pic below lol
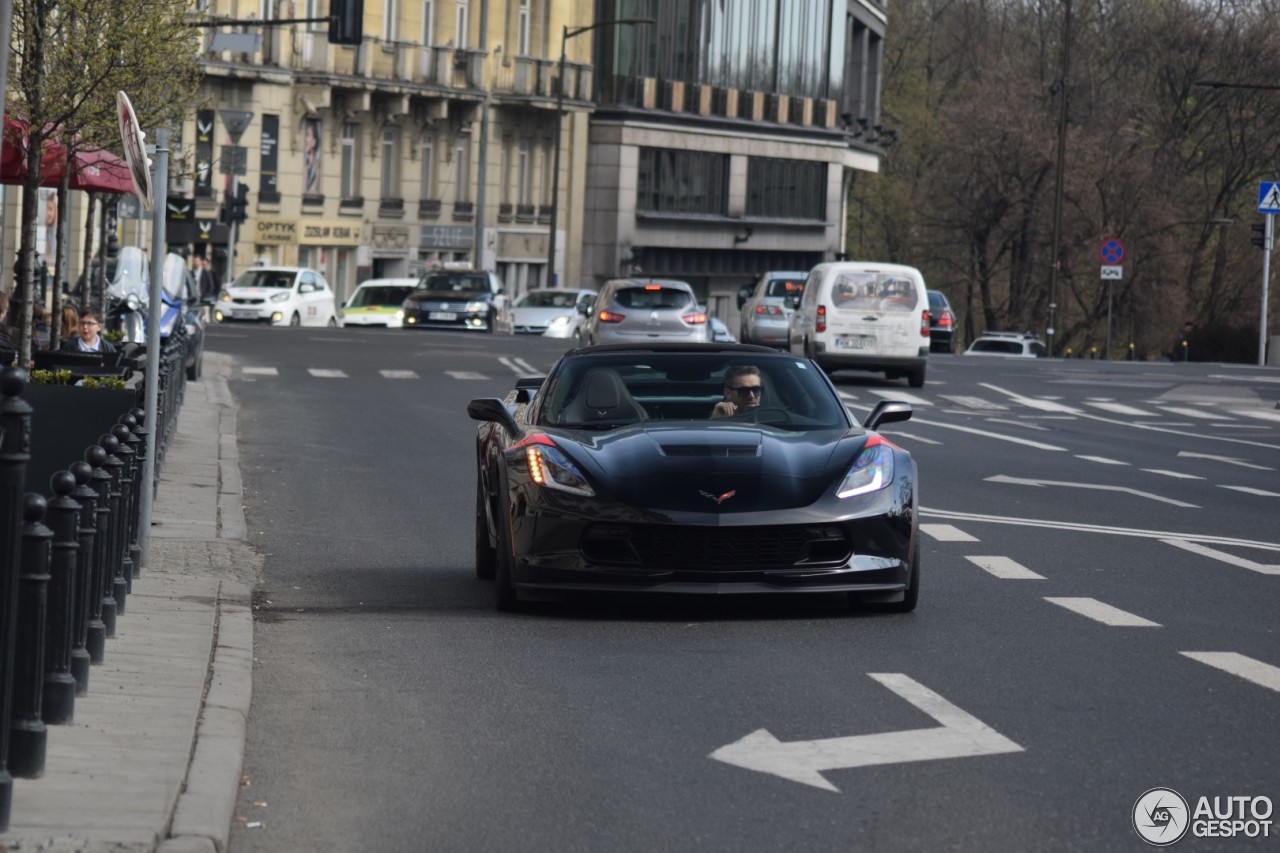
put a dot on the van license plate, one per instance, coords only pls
(442, 315)
(855, 343)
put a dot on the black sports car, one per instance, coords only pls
(692, 468)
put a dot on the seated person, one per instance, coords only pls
(742, 391)
(88, 339)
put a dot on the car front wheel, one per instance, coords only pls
(486, 554)
(295, 320)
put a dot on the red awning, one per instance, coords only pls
(92, 170)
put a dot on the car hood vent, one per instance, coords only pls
(709, 450)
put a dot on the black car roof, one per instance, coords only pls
(601, 349)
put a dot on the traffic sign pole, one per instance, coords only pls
(1111, 252)
(1268, 240)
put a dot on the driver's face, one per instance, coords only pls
(744, 392)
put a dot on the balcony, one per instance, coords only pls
(524, 213)
(464, 211)
(429, 208)
(504, 212)
(391, 207)
(351, 204)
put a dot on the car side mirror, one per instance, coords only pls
(887, 412)
(493, 410)
(585, 309)
(793, 302)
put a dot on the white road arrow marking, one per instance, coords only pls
(1022, 481)
(1231, 559)
(1230, 460)
(519, 366)
(960, 736)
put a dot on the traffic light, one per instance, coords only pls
(239, 204)
(346, 22)
(1261, 240)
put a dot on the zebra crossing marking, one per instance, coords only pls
(1102, 460)
(947, 533)
(1120, 408)
(466, 375)
(1262, 674)
(398, 374)
(259, 371)
(1005, 568)
(1091, 608)
(326, 373)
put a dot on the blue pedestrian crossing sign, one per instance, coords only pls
(1269, 197)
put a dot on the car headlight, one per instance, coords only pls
(871, 471)
(477, 307)
(400, 314)
(549, 466)
(224, 297)
(560, 322)
(281, 297)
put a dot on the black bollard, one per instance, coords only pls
(113, 586)
(100, 481)
(135, 509)
(62, 517)
(87, 499)
(15, 451)
(27, 733)
(128, 485)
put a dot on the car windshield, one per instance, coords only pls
(873, 291)
(454, 282)
(653, 296)
(618, 390)
(782, 287)
(274, 279)
(548, 299)
(387, 296)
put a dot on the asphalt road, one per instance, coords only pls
(1097, 618)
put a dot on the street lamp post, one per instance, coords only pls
(555, 167)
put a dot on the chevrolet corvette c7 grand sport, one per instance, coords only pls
(691, 468)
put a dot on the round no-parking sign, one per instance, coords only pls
(1111, 251)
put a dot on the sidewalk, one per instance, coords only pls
(152, 759)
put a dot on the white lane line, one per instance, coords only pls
(947, 533)
(398, 374)
(1093, 609)
(1024, 481)
(1121, 409)
(1232, 378)
(1262, 674)
(1260, 414)
(1031, 402)
(1230, 559)
(1026, 442)
(1178, 474)
(908, 435)
(1101, 460)
(1230, 460)
(1249, 490)
(1194, 413)
(894, 394)
(326, 373)
(1022, 424)
(847, 395)
(974, 403)
(1003, 567)
(259, 371)
(518, 366)
(465, 374)
(532, 371)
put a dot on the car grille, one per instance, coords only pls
(717, 548)
(248, 301)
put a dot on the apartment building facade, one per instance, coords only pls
(434, 140)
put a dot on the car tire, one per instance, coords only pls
(910, 596)
(504, 588)
(486, 554)
(295, 320)
(915, 378)
(333, 323)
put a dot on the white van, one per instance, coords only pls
(860, 315)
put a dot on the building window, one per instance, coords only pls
(524, 175)
(350, 161)
(428, 23)
(522, 44)
(314, 13)
(391, 162)
(462, 168)
(460, 25)
(390, 20)
(548, 165)
(678, 181)
(786, 189)
(504, 172)
(428, 188)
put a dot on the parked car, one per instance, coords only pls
(567, 325)
(532, 313)
(611, 475)
(378, 302)
(1008, 344)
(720, 332)
(455, 299)
(635, 310)
(862, 315)
(281, 296)
(766, 312)
(942, 323)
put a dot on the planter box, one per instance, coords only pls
(65, 420)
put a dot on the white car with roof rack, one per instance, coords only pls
(1008, 345)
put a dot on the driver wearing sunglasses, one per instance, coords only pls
(742, 391)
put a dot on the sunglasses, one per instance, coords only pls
(753, 390)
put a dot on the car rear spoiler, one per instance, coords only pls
(525, 385)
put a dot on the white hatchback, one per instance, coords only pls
(281, 296)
